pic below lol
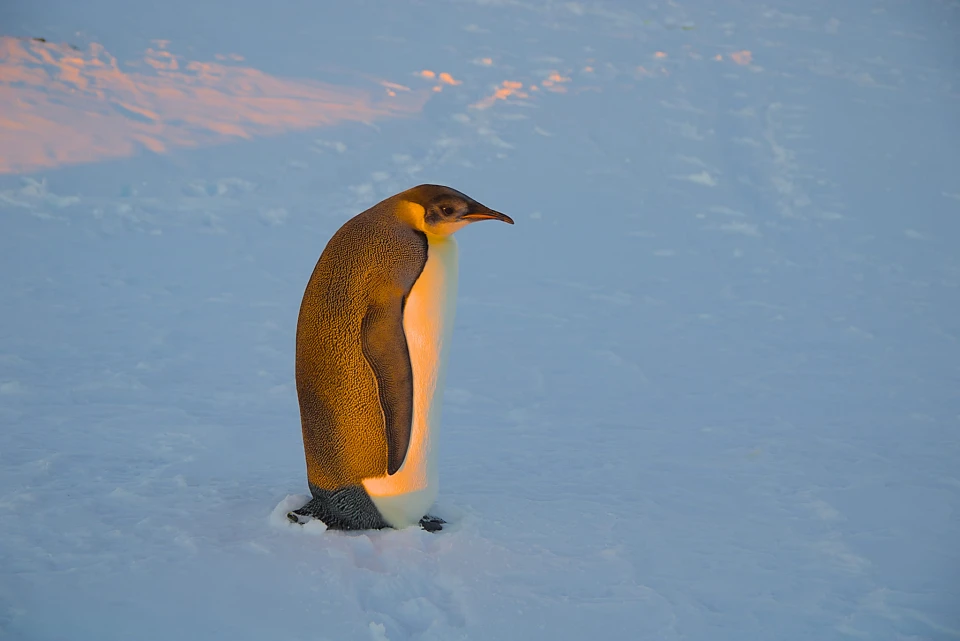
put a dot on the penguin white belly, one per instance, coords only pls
(403, 498)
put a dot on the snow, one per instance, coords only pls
(705, 388)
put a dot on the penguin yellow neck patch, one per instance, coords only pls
(415, 216)
(412, 214)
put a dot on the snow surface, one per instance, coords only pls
(706, 388)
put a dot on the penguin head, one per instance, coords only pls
(445, 210)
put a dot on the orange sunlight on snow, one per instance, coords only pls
(742, 57)
(63, 105)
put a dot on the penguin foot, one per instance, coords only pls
(428, 523)
(297, 518)
(347, 508)
(432, 523)
(307, 513)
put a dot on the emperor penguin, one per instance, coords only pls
(372, 340)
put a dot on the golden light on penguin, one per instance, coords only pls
(373, 335)
(427, 325)
(63, 105)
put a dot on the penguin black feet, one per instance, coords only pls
(432, 523)
(348, 508)
(296, 517)
(312, 510)
(306, 514)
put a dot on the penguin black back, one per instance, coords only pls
(355, 298)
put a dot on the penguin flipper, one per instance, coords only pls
(385, 349)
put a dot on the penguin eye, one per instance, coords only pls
(447, 210)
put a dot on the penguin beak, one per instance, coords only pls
(486, 214)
